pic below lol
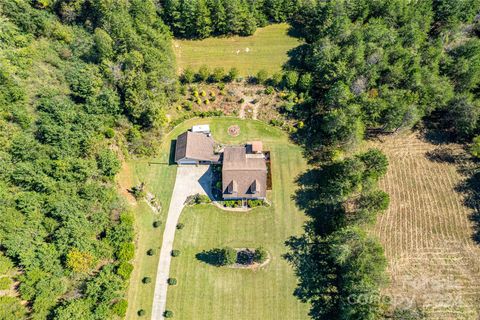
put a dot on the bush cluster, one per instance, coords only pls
(256, 203)
(198, 199)
(232, 203)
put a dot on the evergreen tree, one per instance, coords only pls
(188, 18)
(203, 23)
(218, 17)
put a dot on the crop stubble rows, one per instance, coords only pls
(427, 233)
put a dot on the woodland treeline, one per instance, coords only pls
(198, 19)
(377, 67)
(81, 82)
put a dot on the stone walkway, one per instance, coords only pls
(190, 180)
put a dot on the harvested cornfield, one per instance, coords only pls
(427, 232)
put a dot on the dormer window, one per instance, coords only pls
(255, 187)
(232, 187)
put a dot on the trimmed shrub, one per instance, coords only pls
(180, 226)
(229, 255)
(255, 203)
(157, 223)
(232, 75)
(217, 75)
(262, 76)
(175, 253)
(168, 314)
(245, 257)
(276, 79)
(232, 203)
(198, 199)
(187, 105)
(141, 312)
(203, 73)
(151, 252)
(290, 79)
(260, 255)
(188, 76)
(172, 281)
(146, 280)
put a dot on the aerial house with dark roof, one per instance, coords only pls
(244, 175)
(195, 148)
(244, 168)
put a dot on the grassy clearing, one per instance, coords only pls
(427, 232)
(266, 49)
(159, 178)
(207, 292)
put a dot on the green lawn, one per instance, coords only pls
(266, 49)
(207, 292)
(159, 180)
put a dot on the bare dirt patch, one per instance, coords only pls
(234, 130)
(124, 181)
(427, 231)
(239, 99)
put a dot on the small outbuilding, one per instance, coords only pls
(202, 128)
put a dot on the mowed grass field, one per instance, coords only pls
(207, 292)
(159, 179)
(427, 232)
(266, 49)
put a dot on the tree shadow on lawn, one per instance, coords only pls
(171, 156)
(469, 187)
(326, 217)
(296, 57)
(212, 257)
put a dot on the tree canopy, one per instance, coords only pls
(70, 72)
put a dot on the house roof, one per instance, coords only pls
(197, 146)
(242, 176)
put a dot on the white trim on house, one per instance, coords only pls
(187, 161)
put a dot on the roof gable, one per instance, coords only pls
(243, 176)
(197, 146)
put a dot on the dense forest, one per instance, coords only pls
(382, 66)
(85, 83)
(82, 82)
(377, 67)
(198, 19)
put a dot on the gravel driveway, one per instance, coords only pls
(190, 180)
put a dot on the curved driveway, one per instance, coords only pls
(190, 180)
